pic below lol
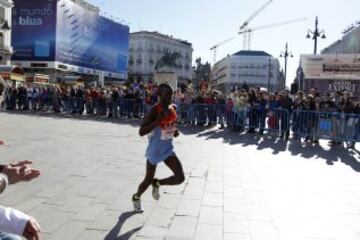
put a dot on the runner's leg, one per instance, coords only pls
(175, 165)
(150, 172)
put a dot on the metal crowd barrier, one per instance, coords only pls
(201, 114)
(251, 118)
(307, 124)
(77, 105)
(326, 125)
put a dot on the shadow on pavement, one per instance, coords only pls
(350, 158)
(113, 234)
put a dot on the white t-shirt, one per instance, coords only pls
(11, 220)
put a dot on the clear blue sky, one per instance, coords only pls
(207, 22)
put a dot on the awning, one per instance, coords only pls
(8, 72)
(41, 78)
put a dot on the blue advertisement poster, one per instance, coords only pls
(34, 30)
(88, 40)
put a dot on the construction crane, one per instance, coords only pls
(245, 25)
(248, 31)
(214, 48)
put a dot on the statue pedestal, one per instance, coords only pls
(166, 77)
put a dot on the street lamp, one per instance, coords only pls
(315, 34)
(285, 55)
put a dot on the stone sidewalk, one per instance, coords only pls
(237, 186)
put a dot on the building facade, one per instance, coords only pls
(349, 43)
(66, 39)
(147, 48)
(251, 68)
(5, 32)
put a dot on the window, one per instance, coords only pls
(151, 61)
(151, 48)
(1, 41)
(39, 65)
(131, 61)
(2, 14)
(139, 60)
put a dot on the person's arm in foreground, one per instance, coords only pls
(12, 220)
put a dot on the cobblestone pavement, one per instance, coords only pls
(237, 186)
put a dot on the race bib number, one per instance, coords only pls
(167, 133)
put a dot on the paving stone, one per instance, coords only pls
(214, 187)
(161, 217)
(236, 223)
(92, 235)
(207, 231)
(211, 215)
(235, 205)
(232, 191)
(89, 214)
(152, 232)
(69, 230)
(182, 227)
(263, 230)
(237, 236)
(169, 201)
(50, 217)
(258, 212)
(189, 208)
(30, 204)
(213, 199)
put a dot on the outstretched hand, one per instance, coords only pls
(20, 171)
(21, 163)
(32, 230)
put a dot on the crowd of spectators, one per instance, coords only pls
(304, 112)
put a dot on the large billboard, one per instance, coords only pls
(34, 30)
(88, 40)
(332, 72)
(331, 66)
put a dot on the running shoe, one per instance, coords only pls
(137, 204)
(156, 189)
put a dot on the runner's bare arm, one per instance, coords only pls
(150, 122)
